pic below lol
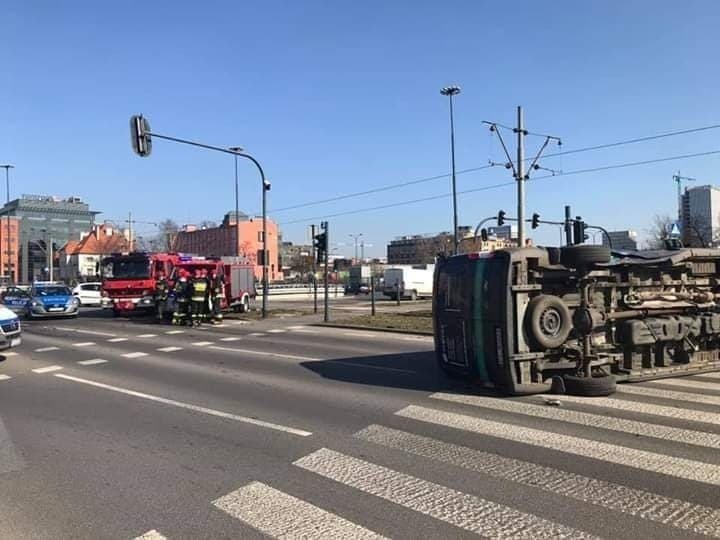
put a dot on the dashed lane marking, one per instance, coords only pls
(9, 353)
(117, 340)
(151, 535)
(170, 349)
(296, 327)
(84, 344)
(47, 369)
(147, 335)
(4, 377)
(88, 332)
(614, 497)
(264, 353)
(305, 331)
(92, 362)
(189, 406)
(480, 516)
(230, 339)
(202, 343)
(277, 331)
(47, 349)
(360, 334)
(689, 384)
(173, 332)
(135, 355)
(280, 515)
(644, 460)
(257, 334)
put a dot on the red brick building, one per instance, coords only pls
(242, 236)
(9, 247)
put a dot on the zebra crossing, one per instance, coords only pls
(564, 430)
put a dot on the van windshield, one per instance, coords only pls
(126, 268)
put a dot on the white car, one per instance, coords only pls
(9, 329)
(89, 294)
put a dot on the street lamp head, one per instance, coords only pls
(236, 149)
(7, 166)
(450, 91)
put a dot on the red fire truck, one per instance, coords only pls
(129, 279)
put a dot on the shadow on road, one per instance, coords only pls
(412, 371)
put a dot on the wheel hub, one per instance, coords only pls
(550, 322)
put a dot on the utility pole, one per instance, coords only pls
(568, 226)
(130, 231)
(325, 227)
(520, 177)
(518, 167)
(451, 91)
(10, 273)
(314, 267)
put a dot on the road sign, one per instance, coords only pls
(674, 230)
(140, 135)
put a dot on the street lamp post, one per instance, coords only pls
(355, 237)
(236, 150)
(451, 91)
(7, 168)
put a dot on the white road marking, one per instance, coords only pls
(92, 362)
(615, 497)
(646, 391)
(147, 335)
(135, 355)
(173, 332)
(202, 343)
(306, 331)
(117, 339)
(47, 349)
(644, 408)
(230, 339)
(151, 535)
(189, 406)
(417, 338)
(296, 327)
(366, 366)
(4, 377)
(263, 353)
(170, 349)
(257, 334)
(280, 515)
(47, 369)
(84, 344)
(633, 427)
(468, 512)
(711, 375)
(690, 384)
(360, 334)
(9, 353)
(277, 331)
(617, 455)
(88, 332)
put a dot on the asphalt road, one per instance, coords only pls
(123, 428)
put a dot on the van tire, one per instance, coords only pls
(413, 296)
(547, 322)
(584, 255)
(603, 385)
(245, 305)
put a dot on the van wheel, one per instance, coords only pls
(245, 306)
(547, 322)
(604, 385)
(413, 296)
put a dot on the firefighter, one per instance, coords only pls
(182, 294)
(198, 299)
(217, 291)
(161, 296)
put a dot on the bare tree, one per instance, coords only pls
(659, 231)
(167, 231)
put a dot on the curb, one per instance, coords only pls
(374, 328)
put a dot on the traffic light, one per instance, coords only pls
(140, 135)
(320, 243)
(501, 218)
(535, 220)
(579, 228)
(484, 235)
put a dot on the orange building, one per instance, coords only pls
(242, 236)
(9, 247)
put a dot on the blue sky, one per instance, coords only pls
(339, 97)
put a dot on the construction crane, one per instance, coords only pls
(679, 179)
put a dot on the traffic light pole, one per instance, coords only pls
(324, 225)
(314, 267)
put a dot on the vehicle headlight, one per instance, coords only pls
(72, 302)
(34, 303)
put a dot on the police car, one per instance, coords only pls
(9, 329)
(15, 298)
(51, 299)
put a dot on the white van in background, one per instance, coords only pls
(415, 281)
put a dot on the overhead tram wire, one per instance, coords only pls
(475, 169)
(506, 184)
